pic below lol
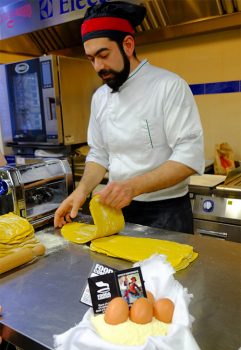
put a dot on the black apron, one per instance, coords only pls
(173, 214)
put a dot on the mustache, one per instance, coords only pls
(105, 71)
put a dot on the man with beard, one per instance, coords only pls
(144, 128)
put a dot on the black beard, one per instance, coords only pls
(118, 78)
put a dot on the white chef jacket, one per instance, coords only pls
(153, 118)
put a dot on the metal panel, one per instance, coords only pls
(218, 230)
(189, 10)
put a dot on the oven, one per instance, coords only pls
(217, 206)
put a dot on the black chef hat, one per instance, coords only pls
(112, 20)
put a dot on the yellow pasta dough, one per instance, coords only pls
(14, 228)
(15, 232)
(137, 249)
(107, 221)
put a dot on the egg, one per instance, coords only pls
(141, 311)
(164, 309)
(117, 311)
(150, 297)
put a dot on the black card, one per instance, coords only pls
(102, 289)
(97, 270)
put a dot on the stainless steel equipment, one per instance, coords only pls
(49, 100)
(35, 191)
(217, 209)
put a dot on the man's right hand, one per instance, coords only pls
(68, 209)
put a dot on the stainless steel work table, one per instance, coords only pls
(42, 298)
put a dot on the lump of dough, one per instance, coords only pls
(15, 233)
(14, 228)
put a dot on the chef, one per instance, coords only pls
(144, 128)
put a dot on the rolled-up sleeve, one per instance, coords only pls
(97, 153)
(183, 126)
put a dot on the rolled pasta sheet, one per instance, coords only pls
(107, 221)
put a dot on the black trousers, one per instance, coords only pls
(171, 214)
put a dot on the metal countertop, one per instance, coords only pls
(42, 298)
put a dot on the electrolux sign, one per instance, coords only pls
(19, 17)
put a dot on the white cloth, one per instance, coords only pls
(158, 277)
(152, 119)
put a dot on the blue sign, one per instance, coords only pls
(3, 187)
(46, 9)
(25, 16)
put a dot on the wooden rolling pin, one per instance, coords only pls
(22, 256)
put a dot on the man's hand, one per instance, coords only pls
(117, 194)
(68, 209)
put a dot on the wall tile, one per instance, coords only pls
(197, 89)
(222, 87)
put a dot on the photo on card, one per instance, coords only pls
(130, 284)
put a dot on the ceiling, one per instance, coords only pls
(165, 20)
